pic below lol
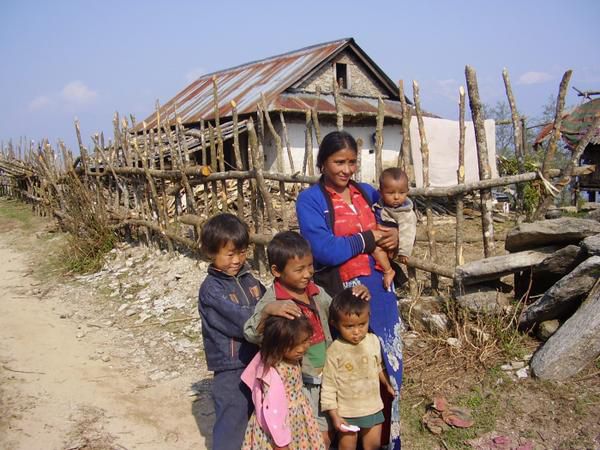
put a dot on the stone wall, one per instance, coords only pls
(360, 81)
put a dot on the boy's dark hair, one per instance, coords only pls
(221, 229)
(334, 142)
(345, 304)
(395, 173)
(285, 246)
(281, 335)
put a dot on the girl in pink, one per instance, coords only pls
(283, 418)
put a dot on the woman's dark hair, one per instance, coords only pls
(334, 142)
(221, 229)
(346, 304)
(280, 335)
(285, 246)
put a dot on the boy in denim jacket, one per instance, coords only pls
(227, 299)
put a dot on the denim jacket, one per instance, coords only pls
(225, 302)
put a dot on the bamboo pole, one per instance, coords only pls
(425, 158)
(517, 138)
(379, 138)
(482, 158)
(460, 178)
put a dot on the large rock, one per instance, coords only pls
(591, 245)
(541, 277)
(594, 215)
(563, 231)
(574, 345)
(493, 268)
(562, 298)
(483, 300)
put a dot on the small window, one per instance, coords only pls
(341, 75)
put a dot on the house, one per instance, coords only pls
(574, 127)
(295, 82)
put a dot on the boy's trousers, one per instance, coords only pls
(233, 407)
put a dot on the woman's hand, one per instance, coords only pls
(388, 238)
(282, 308)
(361, 291)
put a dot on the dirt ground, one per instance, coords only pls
(112, 360)
(69, 376)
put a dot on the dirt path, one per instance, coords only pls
(61, 387)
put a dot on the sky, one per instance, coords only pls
(89, 59)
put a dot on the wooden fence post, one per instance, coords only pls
(425, 158)
(482, 160)
(460, 178)
(517, 137)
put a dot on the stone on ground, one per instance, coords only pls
(483, 299)
(547, 329)
(562, 231)
(542, 276)
(562, 298)
(574, 345)
(591, 245)
(425, 314)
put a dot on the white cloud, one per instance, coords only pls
(78, 93)
(194, 74)
(40, 102)
(533, 77)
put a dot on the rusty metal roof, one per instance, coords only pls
(244, 84)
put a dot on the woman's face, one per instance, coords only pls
(339, 167)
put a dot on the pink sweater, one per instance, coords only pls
(271, 409)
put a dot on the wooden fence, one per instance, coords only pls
(162, 184)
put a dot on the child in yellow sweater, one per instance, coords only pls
(352, 375)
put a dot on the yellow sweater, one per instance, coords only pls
(351, 378)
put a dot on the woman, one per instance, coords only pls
(335, 216)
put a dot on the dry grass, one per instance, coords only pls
(86, 220)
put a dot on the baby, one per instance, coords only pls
(395, 209)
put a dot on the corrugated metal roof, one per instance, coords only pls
(244, 84)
